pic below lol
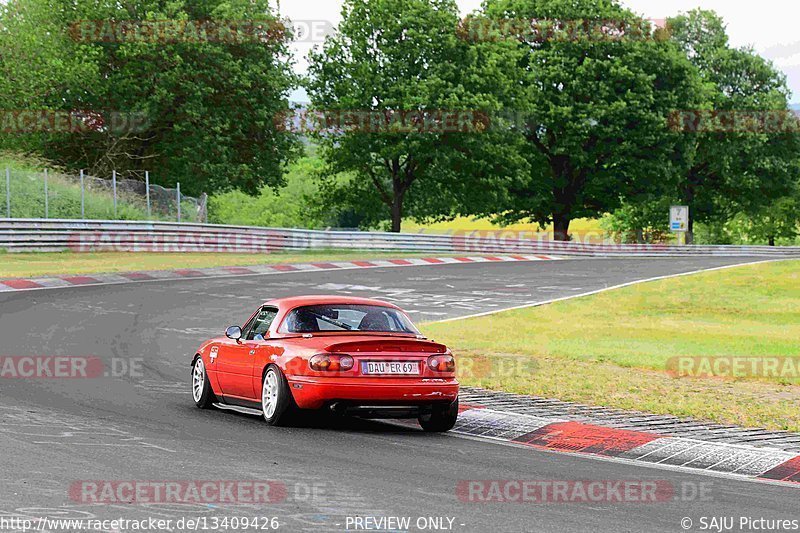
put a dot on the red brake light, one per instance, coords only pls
(442, 363)
(323, 362)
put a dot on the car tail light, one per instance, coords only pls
(324, 362)
(442, 363)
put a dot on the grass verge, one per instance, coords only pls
(615, 348)
(53, 264)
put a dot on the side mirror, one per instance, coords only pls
(234, 332)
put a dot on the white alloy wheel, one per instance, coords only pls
(198, 380)
(269, 393)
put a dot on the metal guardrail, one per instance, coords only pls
(25, 235)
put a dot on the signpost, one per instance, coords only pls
(679, 219)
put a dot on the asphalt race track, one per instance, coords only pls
(142, 425)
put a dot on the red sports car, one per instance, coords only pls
(350, 355)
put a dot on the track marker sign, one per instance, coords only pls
(679, 218)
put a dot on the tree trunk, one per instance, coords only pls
(397, 213)
(564, 199)
(401, 181)
(772, 240)
(639, 236)
(561, 227)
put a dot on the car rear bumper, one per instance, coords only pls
(316, 392)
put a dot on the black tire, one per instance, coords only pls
(439, 418)
(282, 400)
(202, 393)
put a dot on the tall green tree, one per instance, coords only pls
(746, 169)
(779, 220)
(39, 64)
(209, 104)
(597, 109)
(389, 59)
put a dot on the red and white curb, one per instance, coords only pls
(59, 282)
(638, 446)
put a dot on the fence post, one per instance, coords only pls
(203, 215)
(83, 209)
(147, 191)
(46, 199)
(178, 193)
(114, 185)
(8, 192)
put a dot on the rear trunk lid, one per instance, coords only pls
(389, 345)
(390, 356)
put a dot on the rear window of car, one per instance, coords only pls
(347, 317)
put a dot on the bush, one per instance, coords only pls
(290, 206)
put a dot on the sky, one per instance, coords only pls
(770, 26)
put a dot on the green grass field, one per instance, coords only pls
(46, 264)
(614, 348)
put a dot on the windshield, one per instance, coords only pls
(346, 317)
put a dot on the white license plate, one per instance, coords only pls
(390, 368)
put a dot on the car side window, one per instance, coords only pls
(261, 323)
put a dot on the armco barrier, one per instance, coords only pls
(24, 235)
